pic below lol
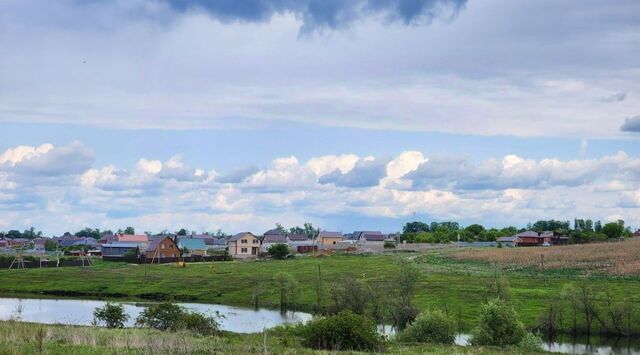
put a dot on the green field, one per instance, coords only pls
(446, 283)
(26, 338)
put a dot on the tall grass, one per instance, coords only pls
(614, 258)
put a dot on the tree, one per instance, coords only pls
(613, 230)
(288, 289)
(350, 295)
(182, 231)
(498, 325)
(89, 233)
(401, 307)
(475, 229)
(50, 245)
(168, 316)
(431, 327)
(343, 331)
(111, 314)
(278, 251)
(415, 227)
(129, 230)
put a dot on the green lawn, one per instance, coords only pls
(27, 338)
(444, 283)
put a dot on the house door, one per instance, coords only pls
(254, 251)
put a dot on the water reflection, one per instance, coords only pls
(80, 312)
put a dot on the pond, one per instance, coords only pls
(245, 320)
(80, 312)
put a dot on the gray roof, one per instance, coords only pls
(120, 245)
(529, 234)
(218, 241)
(330, 234)
(297, 237)
(275, 238)
(274, 232)
(508, 239)
(240, 235)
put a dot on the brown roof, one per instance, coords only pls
(133, 238)
(156, 241)
(297, 237)
(240, 235)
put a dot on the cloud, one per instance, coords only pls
(47, 160)
(631, 124)
(367, 172)
(584, 145)
(617, 97)
(317, 14)
(237, 175)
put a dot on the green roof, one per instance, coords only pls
(192, 244)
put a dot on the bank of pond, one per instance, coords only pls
(247, 321)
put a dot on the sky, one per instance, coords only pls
(352, 115)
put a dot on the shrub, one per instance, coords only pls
(498, 325)
(431, 327)
(530, 343)
(389, 245)
(168, 316)
(343, 331)
(278, 251)
(111, 314)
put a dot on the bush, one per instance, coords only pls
(498, 325)
(431, 327)
(343, 331)
(278, 251)
(111, 314)
(389, 245)
(168, 316)
(530, 343)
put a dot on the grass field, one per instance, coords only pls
(447, 280)
(601, 258)
(26, 338)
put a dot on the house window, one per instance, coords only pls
(243, 250)
(244, 241)
(334, 242)
(255, 241)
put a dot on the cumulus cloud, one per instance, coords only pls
(237, 175)
(617, 97)
(328, 190)
(322, 13)
(631, 124)
(47, 160)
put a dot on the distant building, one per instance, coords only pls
(120, 249)
(161, 248)
(193, 246)
(509, 241)
(637, 233)
(329, 240)
(272, 239)
(369, 237)
(532, 239)
(244, 245)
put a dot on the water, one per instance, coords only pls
(567, 345)
(244, 320)
(80, 312)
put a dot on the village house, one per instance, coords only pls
(300, 243)
(117, 249)
(329, 240)
(192, 246)
(4, 243)
(272, 239)
(509, 241)
(244, 245)
(368, 238)
(161, 248)
(637, 233)
(531, 239)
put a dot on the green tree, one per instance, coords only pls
(343, 331)
(613, 230)
(415, 227)
(111, 314)
(278, 251)
(129, 230)
(401, 306)
(498, 325)
(182, 231)
(431, 327)
(287, 286)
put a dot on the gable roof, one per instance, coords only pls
(372, 237)
(274, 232)
(133, 238)
(527, 234)
(547, 234)
(240, 235)
(508, 239)
(120, 245)
(275, 238)
(327, 234)
(155, 242)
(192, 243)
(297, 237)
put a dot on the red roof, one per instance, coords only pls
(131, 238)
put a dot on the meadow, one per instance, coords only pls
(28, 338)
(446, 280)
(613, 258)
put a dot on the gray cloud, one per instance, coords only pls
(74, 158)
(237, 175)
(365, 173)
(321, 13)
(617, 97)
(631, 124)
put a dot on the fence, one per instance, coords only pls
(35, 264)
(144, 260)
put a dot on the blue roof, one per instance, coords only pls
(192, 244)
